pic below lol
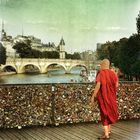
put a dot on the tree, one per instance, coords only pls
(23, 49)
(129, 56)
(2, 54)
(76, 55)
(103, 51)
(124, 58)
(36, 53)
(53, 54)
(138, 23)
(68, 56)
(136, 70)
(125, 54)
(115, 53)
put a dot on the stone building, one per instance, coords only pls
(61, 49)
(35, 43)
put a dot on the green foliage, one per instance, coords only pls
(25, 51)
(68, 56)
(109, 50)
(115, 53)
(136, 69)
(2, 54)
(52, 54)
(124, 58)
(138, 23)
(73, 56)
(76, 56)
(125, 54)
(103, 51)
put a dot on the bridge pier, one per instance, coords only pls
(42, 67)
(19, 70)
(68, 68)
(43, 71)
(67, 72)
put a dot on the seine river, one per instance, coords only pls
(55, 76)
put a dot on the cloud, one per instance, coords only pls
(96, 28)
(115, 28)
(85, 28)
(110, 28)
(35, 22)
(53, 29)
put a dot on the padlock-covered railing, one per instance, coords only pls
(54, 104)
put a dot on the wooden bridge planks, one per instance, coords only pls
(123, 130)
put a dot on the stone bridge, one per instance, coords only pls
(42, 64)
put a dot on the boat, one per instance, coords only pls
(88, 76)
(91, 76)
(83, 73)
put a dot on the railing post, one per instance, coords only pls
(53, 105)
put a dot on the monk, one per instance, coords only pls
(105, 92)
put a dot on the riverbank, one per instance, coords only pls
(7, 73)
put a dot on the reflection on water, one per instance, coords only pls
(55, 76)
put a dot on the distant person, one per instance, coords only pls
(105, 91)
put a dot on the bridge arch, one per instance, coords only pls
(80, 65)
(9, 68)
(47, 67)
(30, 67)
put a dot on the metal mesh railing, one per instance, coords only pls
(54, 104)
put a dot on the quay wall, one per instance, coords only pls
(53, 104)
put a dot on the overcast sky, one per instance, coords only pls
(82, 23)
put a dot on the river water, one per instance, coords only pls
(55, 76)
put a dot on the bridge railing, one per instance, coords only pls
(54, 104)
(44, 59)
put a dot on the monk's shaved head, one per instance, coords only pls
(105, 63)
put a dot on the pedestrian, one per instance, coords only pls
(105, 92)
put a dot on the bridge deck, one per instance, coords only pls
(123, 130)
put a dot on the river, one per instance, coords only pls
(55, 76)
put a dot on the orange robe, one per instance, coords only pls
(107, 96)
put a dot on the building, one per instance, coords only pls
(8, 42)
(90, 57)
(61, 49)
(99, 45)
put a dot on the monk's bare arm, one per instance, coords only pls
(97, 87)
(117, 84)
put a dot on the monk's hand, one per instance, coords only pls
(92, 100)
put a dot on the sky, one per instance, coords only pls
(81, 23)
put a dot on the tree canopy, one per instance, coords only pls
(125, 53)
(138, 23)
(2, 54)
(26, 51)
(75, 55)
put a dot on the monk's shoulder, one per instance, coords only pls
(113, 73)
(105, 72)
